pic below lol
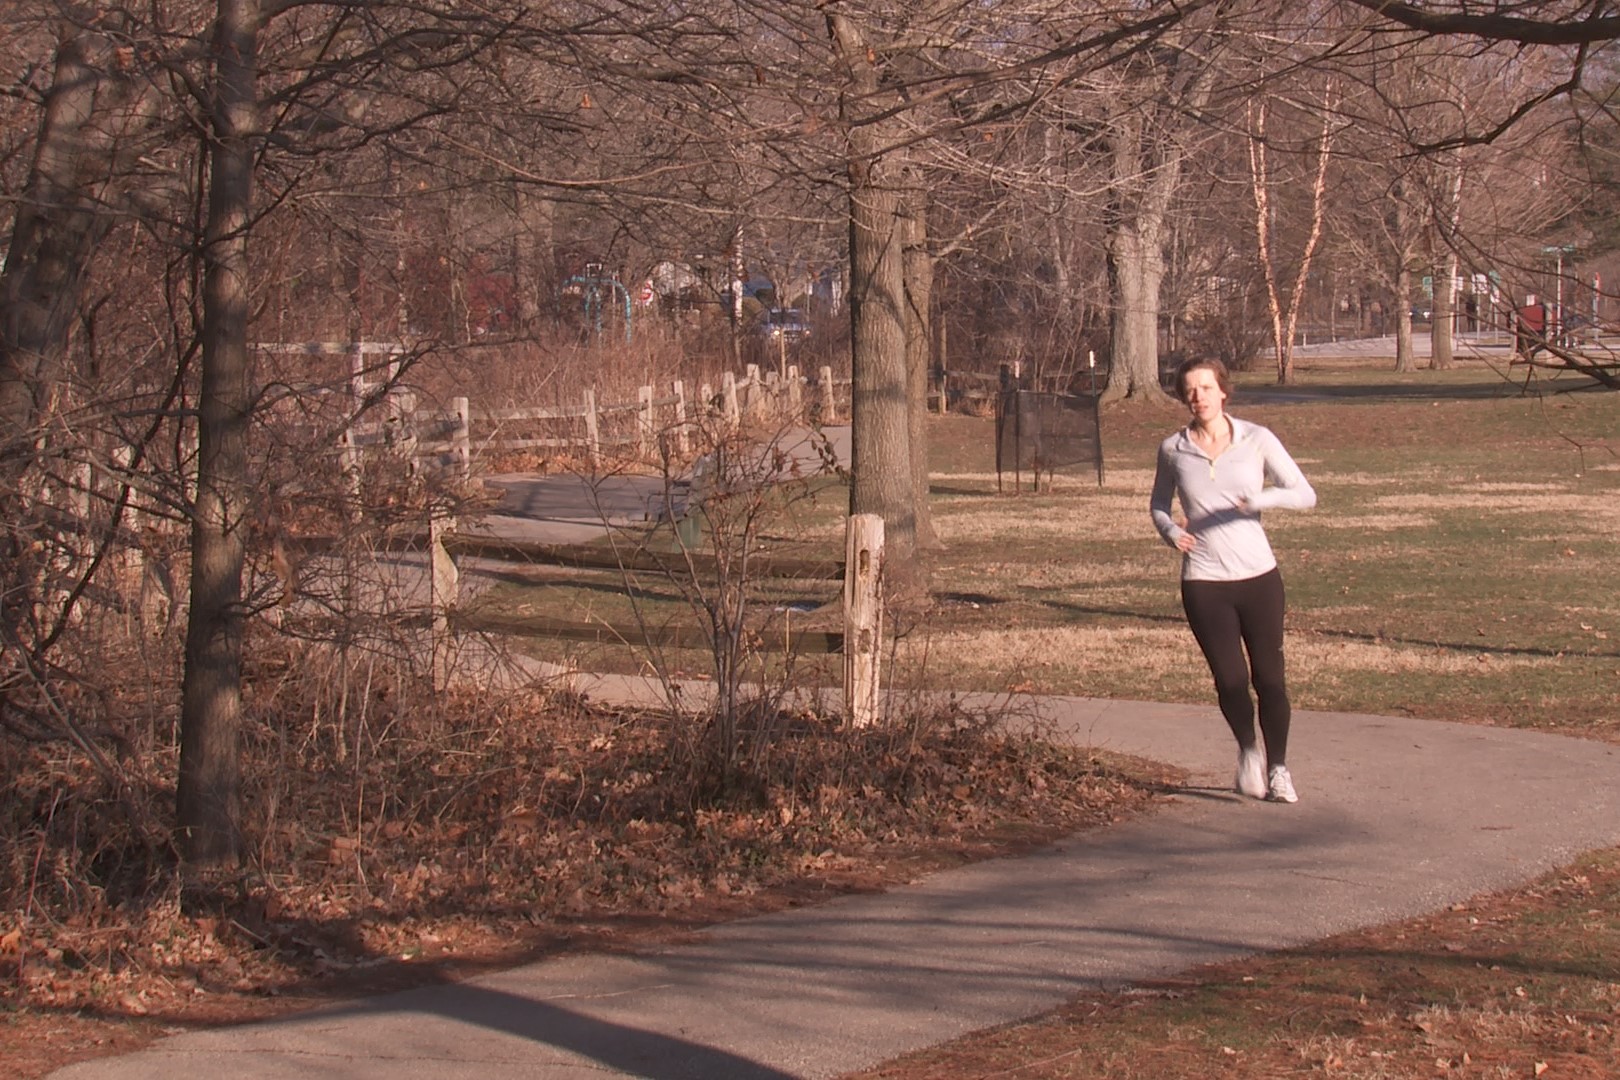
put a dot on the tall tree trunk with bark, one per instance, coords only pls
(59, 221)
(535, 276)
(1403, 318)
(919, 277)
(62, 213)
(209, 798)
(1146, 167)
(880, 454)
(1135, 265)
(1136, 270)
(1442, 323)
(1400, 219)
(1441, 354)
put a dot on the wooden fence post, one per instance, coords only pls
(944, 397)
(683, 438)
(349, 462)
(795, 393)
(462, 437)
(752, 406)
(829, 398)
(728, 387)
(644, 421)
(771, 399)
(444, 584)
(863, 618)
(593, 432)
(357, 373)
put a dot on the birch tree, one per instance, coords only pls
(1285, 315)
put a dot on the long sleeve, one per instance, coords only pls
(1164, 489)
(1222, 498)
(1287, 488)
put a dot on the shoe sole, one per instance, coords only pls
(1258, 790)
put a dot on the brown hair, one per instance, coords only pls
(1223, 378)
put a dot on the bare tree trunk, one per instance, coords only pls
(1136, 268)
(536, 269)
(919, 278)
(1403, 318)
(1443, 323)
(880, 417)
(1145, 182)
(1285, 322)
(57, 226)
(1441, 355)
(1065, 303)
(1333, 302)
(209, 799)
(1399, 218)
(62, 213)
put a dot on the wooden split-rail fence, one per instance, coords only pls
(860, 641)
(651, 426)
(642, 430)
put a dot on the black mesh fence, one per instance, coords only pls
(1039, 433)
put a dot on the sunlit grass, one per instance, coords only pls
(1459, 565)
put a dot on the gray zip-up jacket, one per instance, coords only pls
(1232, 546)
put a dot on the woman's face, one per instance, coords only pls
(1205, 399)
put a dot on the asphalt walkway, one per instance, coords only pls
(1398, 817)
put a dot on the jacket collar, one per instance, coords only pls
(1241, 430)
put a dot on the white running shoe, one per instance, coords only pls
(1251, 774)
(1282, 785)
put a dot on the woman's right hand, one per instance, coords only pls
(1186, 542)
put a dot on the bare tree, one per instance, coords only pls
(1538, 23)
(209, 798)
(881, 458)
(1285, 318)
(1148, 129)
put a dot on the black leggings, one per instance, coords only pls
(1225, 616)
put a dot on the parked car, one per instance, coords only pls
(789, 324)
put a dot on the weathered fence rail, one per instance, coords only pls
(383, 416)
(665, 636)
(643, 428)
(859, 641)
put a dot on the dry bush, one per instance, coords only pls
(413, 812)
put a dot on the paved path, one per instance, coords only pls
(1398, 817)
(1492, 344)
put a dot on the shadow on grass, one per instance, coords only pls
(1470, 961)
(1473, 648)
(960, 492)
(1379, 393)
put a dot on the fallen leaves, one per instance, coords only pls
(473, 839)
